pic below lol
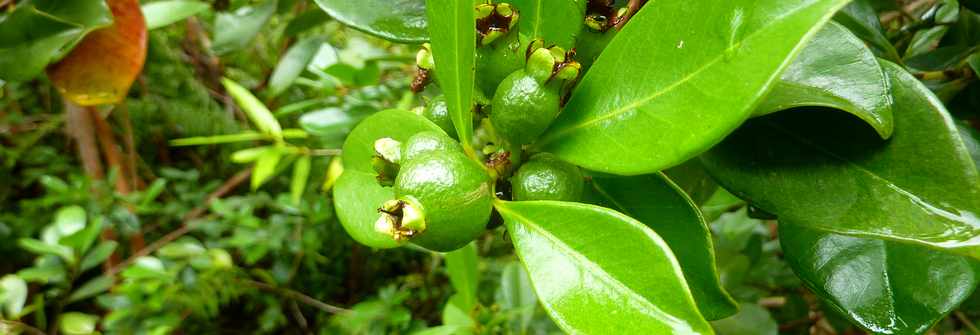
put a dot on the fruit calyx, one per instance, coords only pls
(600, 15)
(424, 65)
(400, 219)
(545, 64)
(386, 160)
(494, 21)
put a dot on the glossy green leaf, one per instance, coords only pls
(13, 295)
(301, 174)
(884, 287)
(694, 180)
(67, 221)
(861, 18)
(661, 205)
(91, 288)
(257, 112)
(835, 70)
(699, 78)
(395, 20)
(596, 270)
(235, 31)
(461, 265)
(265, 166)
(293, 63)
(164, 13)
(452, 34)
(83, 239)
(556, 21)
(75, 323)
(825, 170)
(971, 140)
(357, 194)
(330, 122)
(38, 32)
(751, 319)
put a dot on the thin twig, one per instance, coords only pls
(187, 225)
(966, 322)
(299, 297)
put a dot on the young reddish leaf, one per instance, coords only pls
(105, 63)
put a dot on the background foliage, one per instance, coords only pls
(271, 257)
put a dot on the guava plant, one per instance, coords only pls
(567, 122)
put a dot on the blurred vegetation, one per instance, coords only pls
(241, 260)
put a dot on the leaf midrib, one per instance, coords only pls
(592, 267)
(642, 101)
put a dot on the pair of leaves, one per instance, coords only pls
(826, 176)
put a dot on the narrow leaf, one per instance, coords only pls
(255, 109)
(91, 288)
(97, 255)
(661, 94)
(265, 167)
(301, 173)
(452, 32)
(164, 13)
(42, 248)
(293, 63)
(828, 171)
(596, 270)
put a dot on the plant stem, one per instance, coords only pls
(288, 293)
(79, 127)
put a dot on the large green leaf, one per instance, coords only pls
(395, 20)
(663, 93)
(861, 18)
(835, 70)
(661, 205)
(452, 29)
(884, 287)
(38, 32)
(556, 21)
(597, 270)
(826, 170)
(357, 194)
